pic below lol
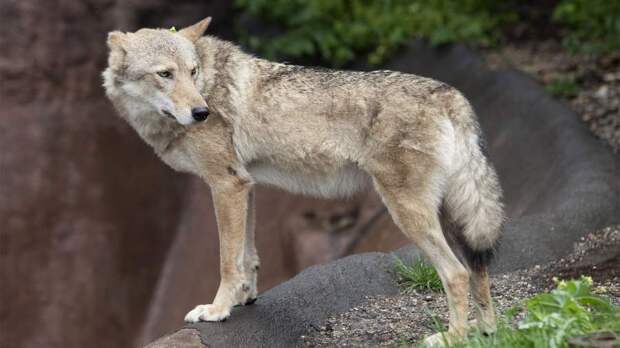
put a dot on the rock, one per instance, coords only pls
(602, 92)
(280, 316)
(184, 338)
(609, 77)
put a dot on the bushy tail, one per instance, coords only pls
(472, 203)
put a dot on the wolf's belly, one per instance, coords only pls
(342, 182)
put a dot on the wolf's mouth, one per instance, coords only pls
(168, 114)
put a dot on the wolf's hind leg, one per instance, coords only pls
(481, 293)
(410, 195)
(231, 204)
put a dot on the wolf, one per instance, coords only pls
(236, 120)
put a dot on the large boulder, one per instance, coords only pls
(283, 314)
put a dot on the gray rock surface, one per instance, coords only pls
(559, 183)
(184, 338)
(283, 314)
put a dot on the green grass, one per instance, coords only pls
(417, 276)
(563, 87)
(551, 319)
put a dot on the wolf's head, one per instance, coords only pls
(156, 72)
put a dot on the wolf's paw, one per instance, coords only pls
(208, 312)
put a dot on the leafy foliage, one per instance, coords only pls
(571, 309)
(550, 319)
(593, 26)
(340, 30)
(417, 276)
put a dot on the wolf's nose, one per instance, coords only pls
(200, 114)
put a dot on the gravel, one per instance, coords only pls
(599, 107)
(408, 318)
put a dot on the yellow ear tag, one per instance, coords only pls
(173, 30)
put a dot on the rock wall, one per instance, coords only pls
(87, 212)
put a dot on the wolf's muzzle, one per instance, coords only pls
(200, 114)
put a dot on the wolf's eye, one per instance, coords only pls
(194, 71)
(165, 74)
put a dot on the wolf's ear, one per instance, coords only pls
(116, 40)
(194, 32)
(116, 43)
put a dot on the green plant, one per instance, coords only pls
(571, 309)
(417, 276)
(563, 87)
(593, 26)
(340, 30)
(550, 319)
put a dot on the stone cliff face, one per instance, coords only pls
(99, 241)
(86, 211)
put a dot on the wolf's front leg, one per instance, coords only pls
(231, 210)
(251, 261)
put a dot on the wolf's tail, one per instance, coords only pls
(473, 201)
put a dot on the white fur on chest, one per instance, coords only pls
(343, 182)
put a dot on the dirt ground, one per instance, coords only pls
(408, 318)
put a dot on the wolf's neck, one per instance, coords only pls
(229, 75)
(160, 133)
